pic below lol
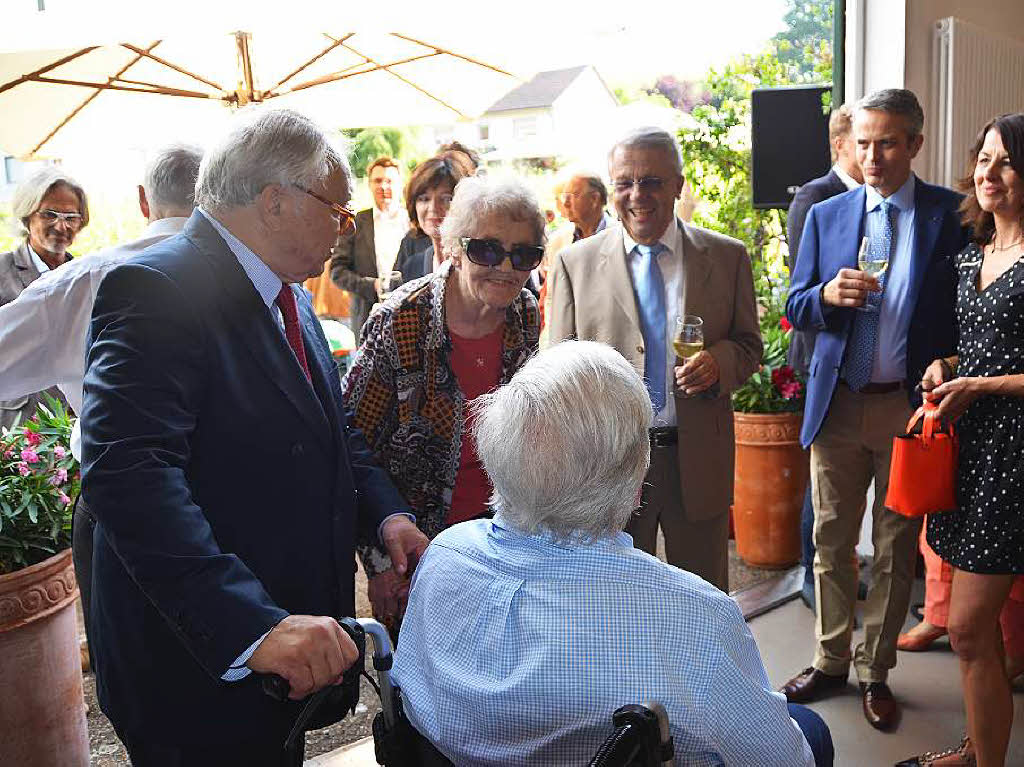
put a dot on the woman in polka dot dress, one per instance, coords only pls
(983, 388)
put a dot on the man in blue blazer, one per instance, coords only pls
(875, 337)
(227, 483)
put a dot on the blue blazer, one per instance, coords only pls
(228, 491)
(830, 241)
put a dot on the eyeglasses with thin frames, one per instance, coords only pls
(646, 184)
(346, 216)
(71, 220)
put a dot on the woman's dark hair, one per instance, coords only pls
(427, 175)
(1011, 130)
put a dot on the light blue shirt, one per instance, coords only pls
(268, 285)
(516, 649)
(897, 310)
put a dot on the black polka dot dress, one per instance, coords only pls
(987, 534)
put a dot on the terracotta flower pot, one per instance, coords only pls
(42, 712)
(771, 477)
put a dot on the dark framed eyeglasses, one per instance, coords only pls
(524, 258)
(646, 184)
(71, 220)
(345, 215)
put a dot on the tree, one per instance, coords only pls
(367, 144)
(808, 32)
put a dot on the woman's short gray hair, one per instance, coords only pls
(264, 147)
(650, 137)
(897, 101)
(30, 193)
(566, 442)
(479, 197)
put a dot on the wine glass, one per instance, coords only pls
(689, 337)
(870, 261)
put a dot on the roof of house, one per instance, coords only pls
(540, 91)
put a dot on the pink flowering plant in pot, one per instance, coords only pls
(39, 479)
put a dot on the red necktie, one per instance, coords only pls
(286, 303)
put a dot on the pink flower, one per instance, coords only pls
(9, 452)
(59, 477)
(790, 390)
(23, 469)
(63, 498)
(59, 452)
(32, 438)
(28, 455)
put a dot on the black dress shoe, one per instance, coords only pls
(809, 685)
(880, 706)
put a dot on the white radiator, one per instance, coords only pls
(978, 75)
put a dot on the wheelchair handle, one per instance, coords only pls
(382, 662)
(278, 688)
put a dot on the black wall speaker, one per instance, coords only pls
(789, 142)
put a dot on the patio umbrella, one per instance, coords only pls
(181, 86)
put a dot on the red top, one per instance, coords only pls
(477, 366)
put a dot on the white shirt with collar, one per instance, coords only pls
(846, 178)
(389, 227)
(41, 266)
(43, 331)
(670, 261)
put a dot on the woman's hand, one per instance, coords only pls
(388, 593)
(954, 397)
(934, 375)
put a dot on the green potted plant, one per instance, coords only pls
(42, 713)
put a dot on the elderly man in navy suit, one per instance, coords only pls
(227, 484)
(844, 175)
(860, 389)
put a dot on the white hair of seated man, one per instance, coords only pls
(566, 442)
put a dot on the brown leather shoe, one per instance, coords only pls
(809, 684)
(880, 707)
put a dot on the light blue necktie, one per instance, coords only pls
(860, 358)
(650, 300)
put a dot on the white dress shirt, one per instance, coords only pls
(846, 178)
(670, 261)
(389, 227)
(41, 266)
(43, 331)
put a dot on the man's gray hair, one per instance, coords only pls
(170, 179)
(566, 442)
(651, 138)
(479, 197)
(594, 181)
(264, 147)
(898, 101)
(30, 193)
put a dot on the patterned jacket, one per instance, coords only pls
(405, 397)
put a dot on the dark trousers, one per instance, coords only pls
(807, 536)
(816, 732)
(254, 753)
(82, 525)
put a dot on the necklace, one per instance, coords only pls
(1000, 248)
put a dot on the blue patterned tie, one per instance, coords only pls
(650, 299)
(860, 358)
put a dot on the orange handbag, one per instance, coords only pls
(922, 474)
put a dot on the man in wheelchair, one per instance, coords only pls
(524, 632)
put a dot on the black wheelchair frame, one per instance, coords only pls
(640, 737)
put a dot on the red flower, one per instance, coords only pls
(784, 380)
(785, 324)
(32, 438)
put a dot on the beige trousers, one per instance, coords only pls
(853, 447)
(700, 547)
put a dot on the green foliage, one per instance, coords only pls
(39, 479)
(807, 36)
(367, 144)
(716, 160)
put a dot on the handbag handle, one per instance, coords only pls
(929, 412)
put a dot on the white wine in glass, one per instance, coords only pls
(870, 262)
(689, 337)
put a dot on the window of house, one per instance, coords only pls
(524, 127)
(484, 131)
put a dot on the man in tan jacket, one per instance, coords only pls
(625, 286)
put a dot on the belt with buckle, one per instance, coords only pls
(879, 388)
(664, 436)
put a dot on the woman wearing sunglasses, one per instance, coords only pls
(436, 344)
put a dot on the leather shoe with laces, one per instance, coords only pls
(880, 707)
(809, 684)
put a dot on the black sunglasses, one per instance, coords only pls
(524, 258)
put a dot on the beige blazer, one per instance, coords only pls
(593, 299)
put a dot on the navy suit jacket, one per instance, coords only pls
(830, 242)
(801, 345)
(228, 491)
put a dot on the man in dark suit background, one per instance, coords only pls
(363, 257)
(844, 175)
(227, 484)
(861, 387)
